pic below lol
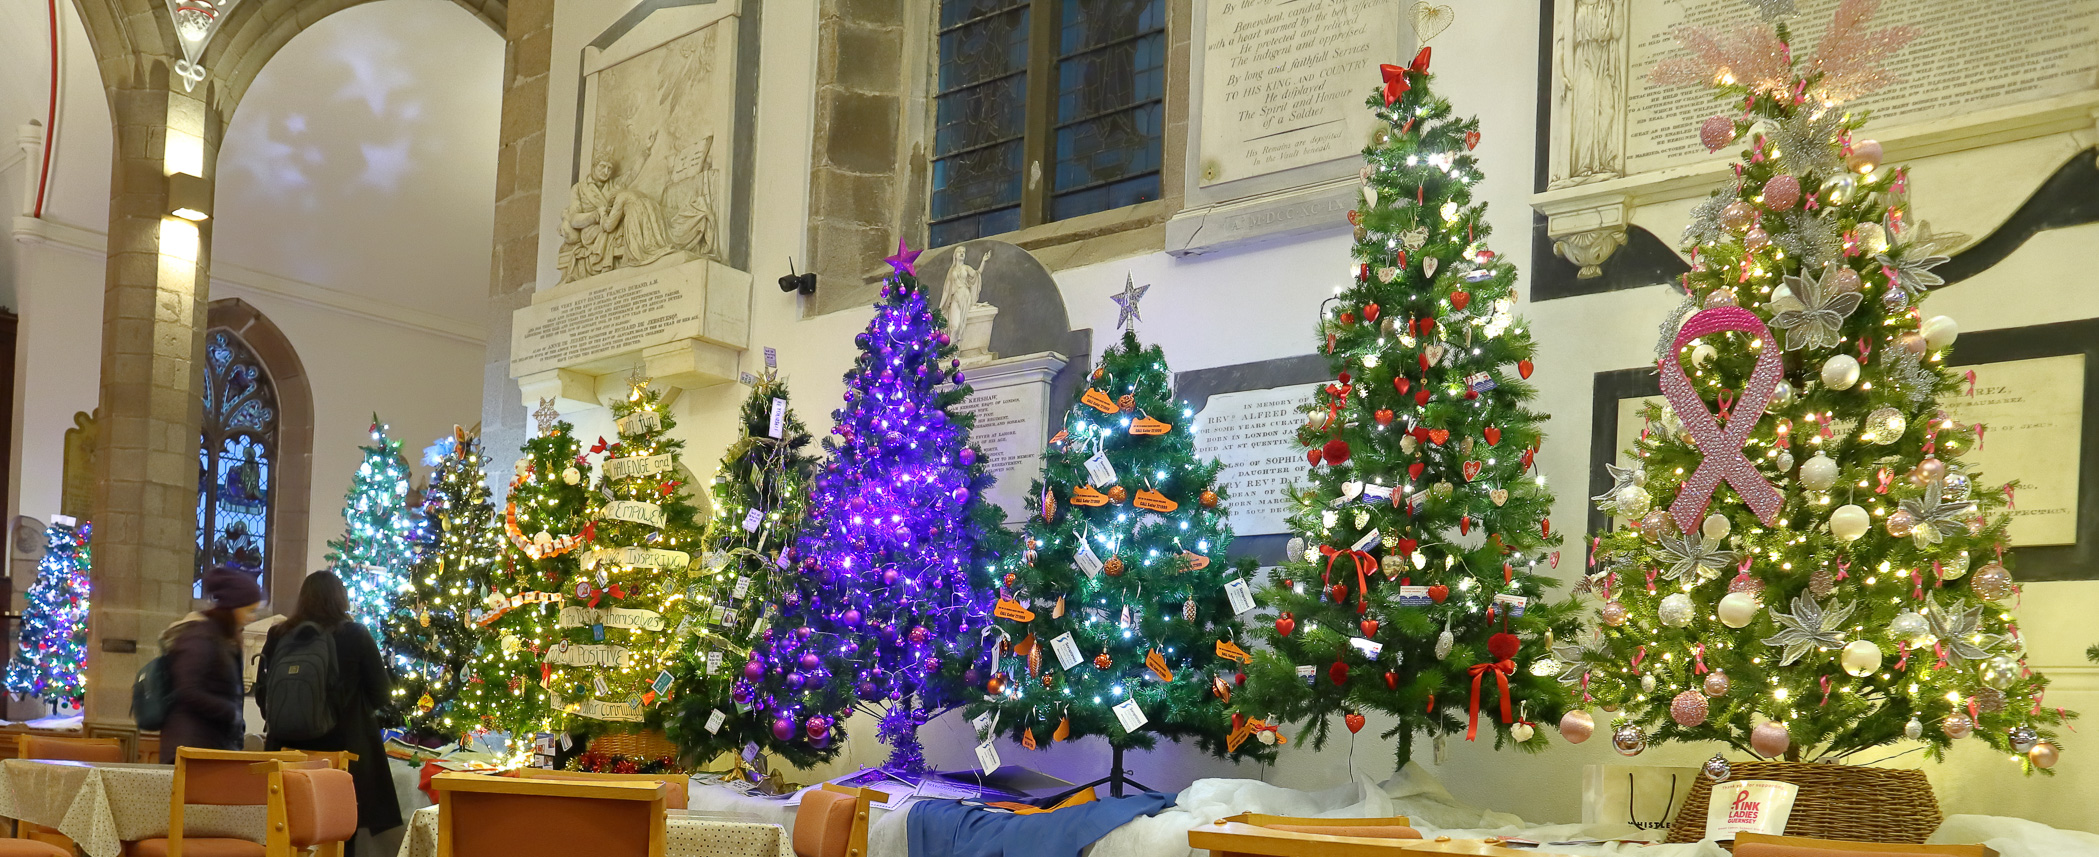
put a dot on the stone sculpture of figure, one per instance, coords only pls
(693, 224)
(606, 227)
(964, 284)
(1596, 78)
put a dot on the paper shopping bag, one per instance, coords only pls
(1634, 801)
(1755, 806)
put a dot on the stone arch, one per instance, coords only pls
(292, 501)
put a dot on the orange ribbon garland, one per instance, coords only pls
(1365, 563)
(1501, 670)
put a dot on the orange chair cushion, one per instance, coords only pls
(223, 782)
(823, 826)
(70, 749)
(1386, 831)
(673, 796)
(320, 806)
(31, 848)
(506, 825)
(195, 847)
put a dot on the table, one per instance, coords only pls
(102, 805)
(684, 835)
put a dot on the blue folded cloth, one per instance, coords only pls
(946, 828)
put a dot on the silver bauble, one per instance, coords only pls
(1839, 189)
(2023, 738)
(1883, 426)
(1295, 547)
(1999, 672)
(1913, 730)
(1957, 726)
(1633, 501)
(1717, 770)
(1784, 461)
(1782, 394)
(1993, 582)
(1675, 610)
(1716, 526)
(1957, 486)
(1818, 473)
(1629, 739)
(1647, 683)
(1954, 567)
(1910, 627)
(1443, 643)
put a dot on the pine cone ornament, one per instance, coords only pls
(1188, 610)
(1821, 583)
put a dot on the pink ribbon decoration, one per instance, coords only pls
(1650, 579)
(1917, 591)
(1865, 350)
(1639, 656)
(1971, 383)
(1843, 567)
(1785, 434)
(1974, 715)
(1887, 478)
(1724, 400)
(1722, 448)
(1980, 430)
(1931, 439)
(1938, 647)
(1698, 656)
(1825, 692)
(2011, 496)
(1903, 647)
(1595, 544)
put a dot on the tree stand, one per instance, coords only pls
(1117, 778)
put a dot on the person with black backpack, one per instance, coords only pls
(201, 703)
(320, 684)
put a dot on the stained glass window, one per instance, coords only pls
(234, 458)
(1035, 126)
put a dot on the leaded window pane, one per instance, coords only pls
(234, 460)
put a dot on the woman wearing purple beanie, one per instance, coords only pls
(204, 666)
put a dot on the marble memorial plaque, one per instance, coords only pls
(1284, 82)
(2032, 413)
(1254, 433)
(1010, 399)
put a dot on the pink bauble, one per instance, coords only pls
(1577, 726)
(1957, 726)
(783, 728)
(1756, 238)
(1931, 470)
(1716, 132)
(1901, 523)
(2043, 755)
(1992, 581)
(1716, 684)
(1843, 281)
(1770, 740)
(1865, 156)
(1745, 583)
(1912, 342)
(1782, 192)
(1612, 613)
(1737, 216)
(1688, 709)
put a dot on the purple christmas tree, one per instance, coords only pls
(894, 583)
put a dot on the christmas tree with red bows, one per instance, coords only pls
(1807, 568)
(1423, 547)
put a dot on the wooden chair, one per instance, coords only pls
(1227, 838)
(213, 778)
(674, 798)
(483, 816)
(313, 805)
(1766, 845)
(56, 748)
(1390, 827)
(832, 821)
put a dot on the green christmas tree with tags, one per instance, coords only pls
(616, 635)
(761, 495)
(458, 546)
(1809, 570)
(1413, 587)
(374, 555)
(548, 528)
(1116, 619)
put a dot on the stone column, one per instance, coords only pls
(521, 156)
(153, 314)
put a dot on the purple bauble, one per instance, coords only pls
(741, 693)
(967, 456)
(959, 380)
(851, 618)
(783, 729)
(810, 661)
(866, 690)
(753, 670)
(823, 740)
(961, 495)
(795, 681)
(804, 632)
(889, 577)
(817, 679)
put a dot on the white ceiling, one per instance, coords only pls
(363, 158)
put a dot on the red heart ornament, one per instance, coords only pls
(1285, 623)
(1348, 318)
(1369, 627)
(1492, 434)
(1384, 416)
(1336, 452)
(1472, 470)
(1423, 360)
(1391, 680)
(1354, 721)
(1338, 672)
(1407, 546)
(1401, 384)
(1239, 679)
(1312, 455)
(1438, 592)
(1428, 326)
(1355, 218)
(1420, 433)
(1438, 436)
(1523, 369)
(1460, 300)
(1370, 312)
(1472, 140)
(1421, 396)
(1339, 592)
(1414, 470)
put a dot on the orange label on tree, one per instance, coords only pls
(1058, 437)
(1063, 730)
(1155, 501)
(1147, 425)
(1027, 738)
(1099, 401)
(1157, 664)
(1231, 651)
(1241, 730)
(1010, 609)
(1084, 495)
(1196, 561)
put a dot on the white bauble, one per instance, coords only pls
(1860, 657)
(1716, 527)
(1840, 371)
(1647, 683)
(1702, 355)
(1910, 627)
(1940, 331)
(1522, 732)
(1633, 501)
(1784, 461)
(571, 475)
(1675, 611)
(1849, 522)
(1999, 672)
(1295, 547)
(1913, 730)
(1782, 394)
(1738, 609)
(1818, 473)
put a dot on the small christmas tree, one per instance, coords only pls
(548, 528)
(373, 555)
(617, 637)
(761, 495)
(457, 546)
(1414, 586)
(1113, 618)
(1826, 577)
(895, 557)
(52, 649)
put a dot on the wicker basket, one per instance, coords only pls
(1854, 802)
(645, 744)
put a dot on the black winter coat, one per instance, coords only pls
(204, 669)
(361, 687)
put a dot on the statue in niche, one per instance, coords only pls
(607, 226)
(1594, 77)
(968, 319)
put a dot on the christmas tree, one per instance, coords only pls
(52, 649)
(373, 555)
(457, 546)
(896, 554)
(723, 702)
(1826, 577)
(548, 528)
(1113, 620)
(1414, 586)
(617, 642)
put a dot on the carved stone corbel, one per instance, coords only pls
(1590, 249)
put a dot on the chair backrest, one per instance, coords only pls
(674, 798)
(1226, 836)
(1766, 845)
(1388, 827)
(311, 803)
(483, 816)
(69, 749)
(832, 821)
(224, 777)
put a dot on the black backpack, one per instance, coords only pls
(152, 694)
(301, 671)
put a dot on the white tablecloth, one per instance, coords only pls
(103, 805)
(683, 837)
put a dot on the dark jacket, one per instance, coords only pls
(204, 667)
(361, 687)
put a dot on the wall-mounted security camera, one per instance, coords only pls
(800, 283)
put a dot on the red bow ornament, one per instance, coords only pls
(597, 594)
(1396, 83)
(1365, 564)
(1503, 648)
